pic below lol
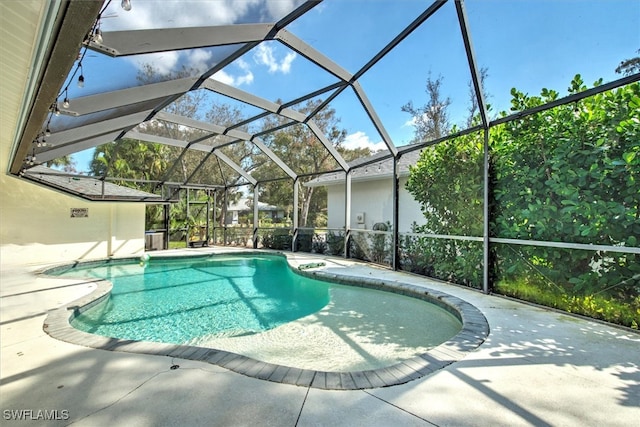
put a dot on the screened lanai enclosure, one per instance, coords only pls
(492, 144)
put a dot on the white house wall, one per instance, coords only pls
(35, 223)
(36, 226)
(374, 198)
(410, 211)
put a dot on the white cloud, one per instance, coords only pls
(193, 13)
(280, 8)
(245, 79)
(361, 140)
(223, 77)
(199, 59)
(264, 55)
(285, 66)
(410, 123)
(172, 14)
(163, 62)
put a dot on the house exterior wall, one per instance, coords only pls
(374, 198)
(35, 222)
(36, 226)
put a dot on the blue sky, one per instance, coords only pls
(527, 44)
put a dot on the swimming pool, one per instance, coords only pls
(255, 305)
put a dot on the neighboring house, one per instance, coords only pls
(371, 195)
(244, 207)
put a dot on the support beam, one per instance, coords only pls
(256, 215)
(192, 123)
(486, 267)
(225, 203)
(81, 133)
(296, 215)
(234, 133)
(371, 112)
(68, 149)
(234, 166)
(396, 215)
(169, 141)
(120, 98)
(267, 151)
(475, 73)
(137, 42)
(327, 144)
(307, 51)
(163, 140)
(248, 98)
(347, 213)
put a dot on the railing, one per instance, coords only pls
(372, 246)
(457, 259)
(326, 241)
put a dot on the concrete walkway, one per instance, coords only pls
(537, 367)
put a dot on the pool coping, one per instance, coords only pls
(475, 330)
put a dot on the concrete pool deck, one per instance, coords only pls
(537, 367)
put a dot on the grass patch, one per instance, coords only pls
(601, 307)
(180, 244)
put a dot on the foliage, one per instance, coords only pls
(373, 246)
(278, 238)
(431, 120)
(568, 174)
(303, 152)
(66, 163)
(130, 159)
(304, 241)
(447, 182)
(595, 306)
(335, 243)
(571, 174)
(457, 261)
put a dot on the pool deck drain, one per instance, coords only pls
(475, 330)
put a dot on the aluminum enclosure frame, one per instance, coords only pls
(77, 20)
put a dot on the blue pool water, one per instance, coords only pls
(257, 306)
(176, 300)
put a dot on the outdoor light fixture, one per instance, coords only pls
(81, 81)
(65, 103)
(97, 35)
(126, 5)
(47, 132)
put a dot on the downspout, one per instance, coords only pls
(347, 213)
(296, 219)
(256, 219)
(396, 216)
(485, 234)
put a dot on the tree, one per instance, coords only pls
(447, 181)
(195, 105)
(144, 161)
(474, 109)
(432, 119)
(66, 163)
(303, 152)
(568, 174)
(571, 174)
(629, 66)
